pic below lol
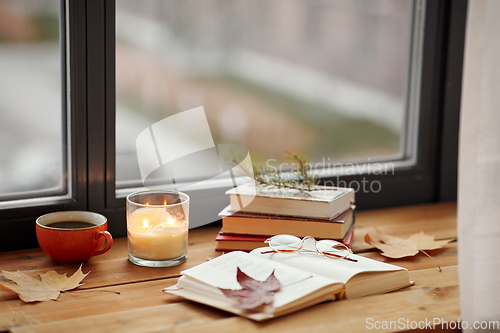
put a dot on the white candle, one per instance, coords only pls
(155, 235)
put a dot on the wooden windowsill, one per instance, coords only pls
(120, 296)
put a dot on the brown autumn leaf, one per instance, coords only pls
(49, 287)
(254, 293)
(395, 247)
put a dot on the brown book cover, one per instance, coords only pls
(259, 224)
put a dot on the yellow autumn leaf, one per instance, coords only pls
(49, 287)
(395, 247)
(62, 282)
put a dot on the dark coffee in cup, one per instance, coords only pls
(71, 225)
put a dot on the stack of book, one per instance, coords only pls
(257, 212)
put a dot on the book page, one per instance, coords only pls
(221, 273)
(337, 269)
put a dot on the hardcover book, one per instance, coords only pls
(240, 242)
(324, 203)
(259, 224)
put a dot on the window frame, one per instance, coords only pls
(91, 48)
(17, 221)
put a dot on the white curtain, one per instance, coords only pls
(479, 166)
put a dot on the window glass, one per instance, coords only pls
(327, 79)
(31, 122)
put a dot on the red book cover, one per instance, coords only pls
(242, 242)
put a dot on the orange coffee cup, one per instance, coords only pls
(73, 236)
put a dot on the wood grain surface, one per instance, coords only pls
(119, 296)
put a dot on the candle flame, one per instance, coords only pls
(145, 223)
(170, 221)
(165, 202)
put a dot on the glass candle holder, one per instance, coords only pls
(157, 228)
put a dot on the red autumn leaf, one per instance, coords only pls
(254, 293)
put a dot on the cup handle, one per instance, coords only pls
(108, 242)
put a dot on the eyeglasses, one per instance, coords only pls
(326, 247)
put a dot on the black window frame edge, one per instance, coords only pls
(451, 98)
(92, 85)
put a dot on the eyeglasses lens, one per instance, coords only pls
(285, 243)
(332, 247)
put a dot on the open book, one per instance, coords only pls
(306, 280)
